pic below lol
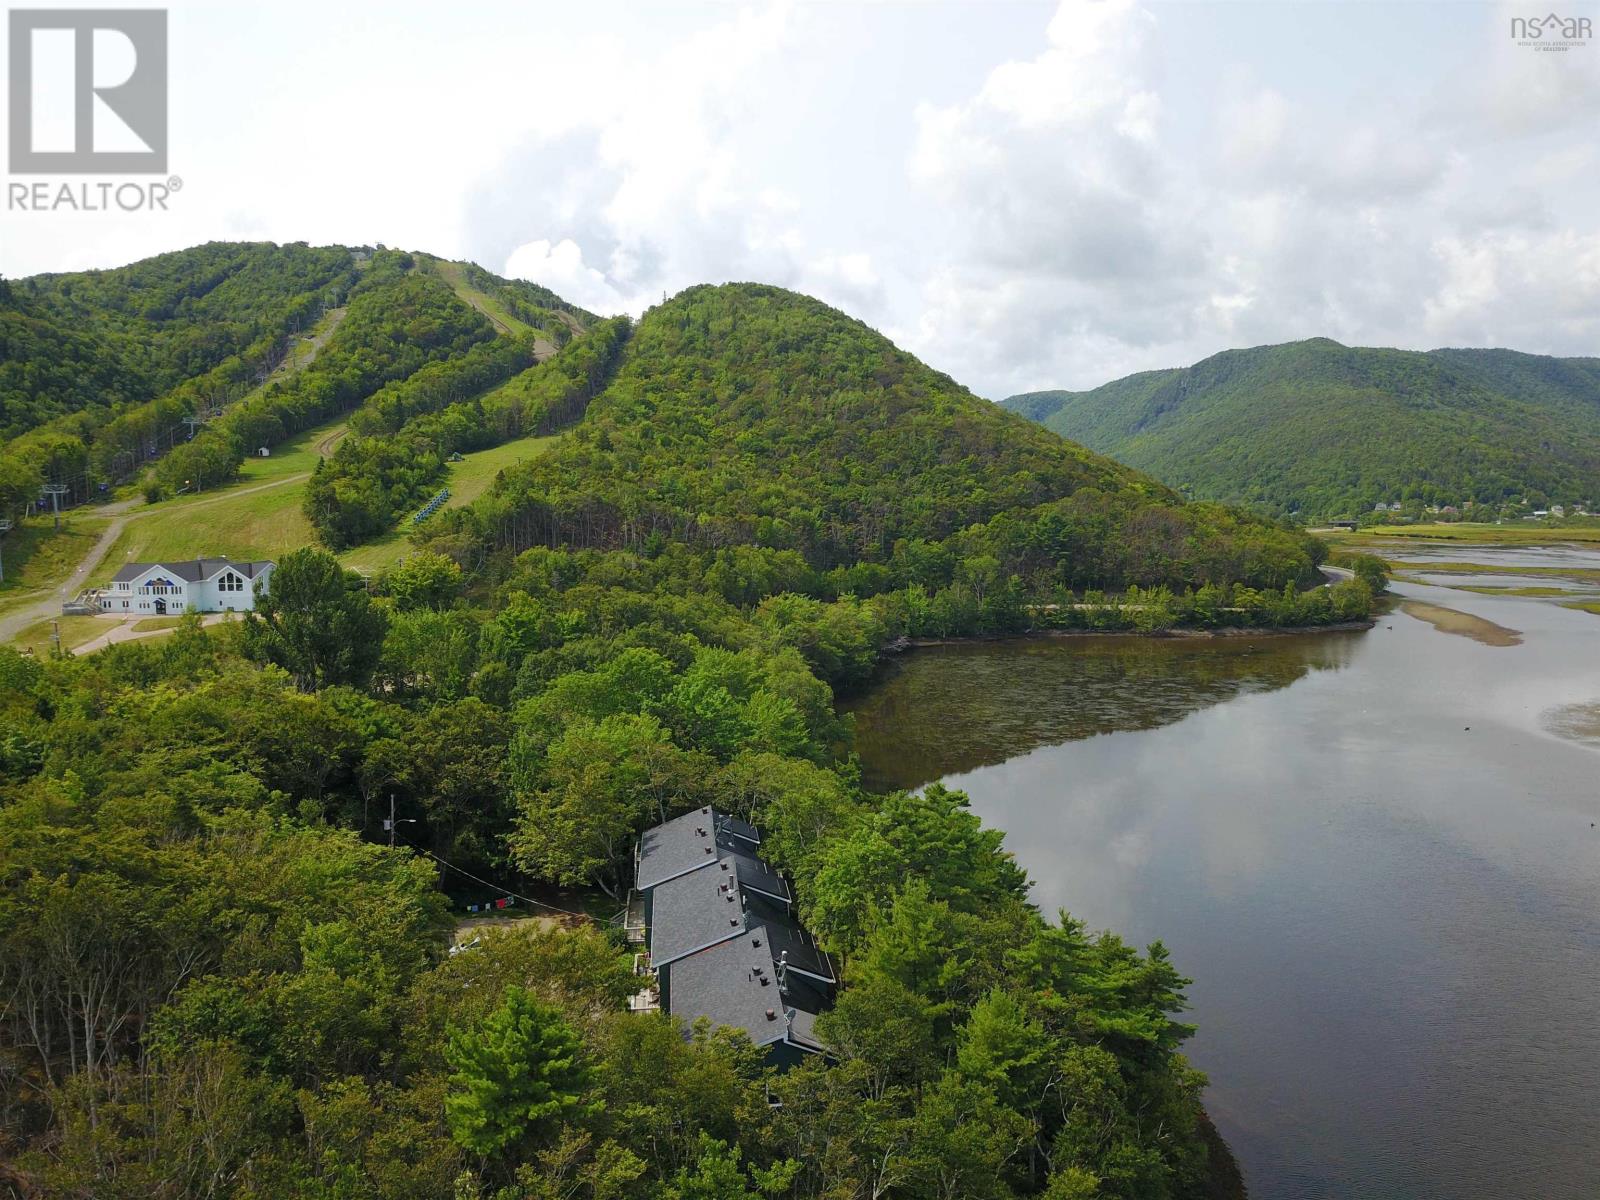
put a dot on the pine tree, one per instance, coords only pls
(517, 1074)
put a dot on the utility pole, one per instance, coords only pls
(5, 528)
(55, 638)
(392, 825)
(55, 491)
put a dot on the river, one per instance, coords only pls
(1375, 853)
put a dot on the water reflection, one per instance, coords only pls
(954, 708)
(1373, 852)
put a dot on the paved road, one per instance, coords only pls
(49, 605)
(124, 631)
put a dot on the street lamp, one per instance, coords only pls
(391, 824)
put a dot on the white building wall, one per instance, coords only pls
(137, 597)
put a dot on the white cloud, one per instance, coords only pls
(561, 269)
(1089, 236)
(1027, 196)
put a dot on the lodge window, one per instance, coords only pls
(230, 583)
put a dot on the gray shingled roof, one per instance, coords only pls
(679, 845)
(691, 912)
(192, 571)
(735, 984)
(691, 841)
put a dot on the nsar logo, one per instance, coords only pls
(1551, 32)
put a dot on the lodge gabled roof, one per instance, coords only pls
(191, 571)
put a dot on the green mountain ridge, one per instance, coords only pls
(746, 415)
(100, 369)
(1328, 430)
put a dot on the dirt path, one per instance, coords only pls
(333, 437)
(302, 354)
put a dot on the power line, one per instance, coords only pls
(496, 887)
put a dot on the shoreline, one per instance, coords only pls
(1178, 632)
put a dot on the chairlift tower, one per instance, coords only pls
(55, 491)
(194, 421)
(5, 528)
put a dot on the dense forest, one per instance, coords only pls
(405, 434)
(218, 979)
(1325, 430)
(176, 367)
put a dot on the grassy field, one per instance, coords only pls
(1584, 574)
(257, 517)
(153, 623)
(242, 524)
(75, 632)
(1520, 533)
(467, 480)
(455, 274)
(37, 559)
(260, 517)
(471, 478)
(1513, 591)
(1588, 606)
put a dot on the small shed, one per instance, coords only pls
(264, 452)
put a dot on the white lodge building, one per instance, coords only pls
(201, 585)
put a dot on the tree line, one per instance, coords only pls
(405, 434)
(216, 979)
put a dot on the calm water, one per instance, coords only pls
(1392, 919)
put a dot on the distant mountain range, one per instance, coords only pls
(1327, 430)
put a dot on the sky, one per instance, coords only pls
(1025, 195)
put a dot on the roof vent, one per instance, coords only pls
(733, 921)
(755, 942)
(765, 982)
(772, 1014)
(711, 850)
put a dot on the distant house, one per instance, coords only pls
(200, 585)
(723, 942)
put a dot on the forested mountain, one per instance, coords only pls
(221, 981)
(96, 340)
(98, 370)
(749, 417)
(1329, 430)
